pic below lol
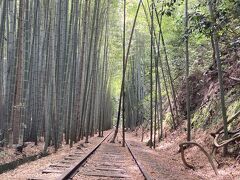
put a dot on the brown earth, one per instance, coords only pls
(9, 154)
(34, 168)
(204, 86)
(162, 163)
(169, 159)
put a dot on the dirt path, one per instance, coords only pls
(158, 166)
(165, 162)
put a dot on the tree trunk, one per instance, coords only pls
(219, 66)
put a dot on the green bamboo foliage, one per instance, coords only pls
(135, 86)
(57, 58)
(54, 71)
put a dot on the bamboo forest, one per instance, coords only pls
(120, 89)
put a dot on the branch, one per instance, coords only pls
(216, 144)
(234, 78)
(182, 145)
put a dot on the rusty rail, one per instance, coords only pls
(143, 171)
(70, 172)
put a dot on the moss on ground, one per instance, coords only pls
(210, 114)
(168, 119)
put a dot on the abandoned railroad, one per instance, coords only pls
(119, 89)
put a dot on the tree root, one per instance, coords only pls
(234, 78)
(225, 142)
(182, 145)
(235, 135)
(114, 136)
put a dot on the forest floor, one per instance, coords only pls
(162, 163)
(167, 157)
(9, 154)
(34, 168)
(158, 165)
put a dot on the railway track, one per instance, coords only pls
(104, 161)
